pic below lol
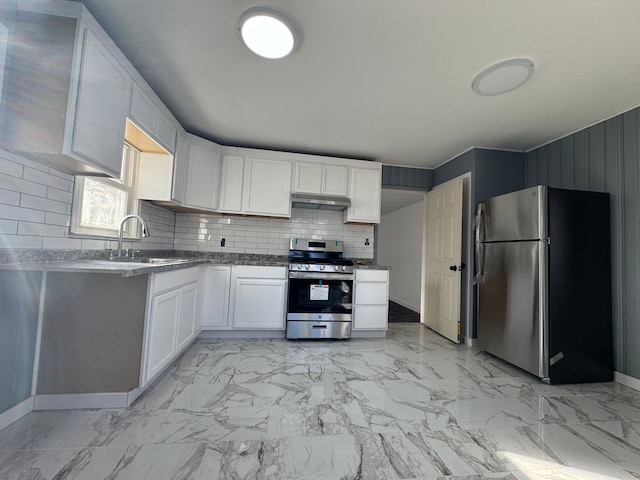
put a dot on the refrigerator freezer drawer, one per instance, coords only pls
(511, 304)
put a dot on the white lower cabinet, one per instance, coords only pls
(162, 332)
(371, 300)
(244, 298)
(215, 297)
(186, 326)
(171, 318)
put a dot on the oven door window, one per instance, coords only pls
(320, 296)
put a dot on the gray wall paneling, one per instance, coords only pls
(606, 157)
(406, 178)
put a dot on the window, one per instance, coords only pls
(99, 203)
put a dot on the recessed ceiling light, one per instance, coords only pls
(267, 33)
(503, 76)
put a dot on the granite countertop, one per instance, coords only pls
(371, 266)
(94, 261)
(74, 261)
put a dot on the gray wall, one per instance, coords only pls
(19, 299)
(493, 172)
(606, 158)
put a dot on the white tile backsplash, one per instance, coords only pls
(270, 236)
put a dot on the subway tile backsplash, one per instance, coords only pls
(35, 209)
(269, 236)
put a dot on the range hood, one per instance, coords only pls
(320, 202)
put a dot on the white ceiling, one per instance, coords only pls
(385, 80)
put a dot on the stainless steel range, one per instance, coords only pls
(320, 290)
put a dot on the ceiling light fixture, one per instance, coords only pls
(267, 33)
(503, 76)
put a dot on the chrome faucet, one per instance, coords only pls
(145, 231)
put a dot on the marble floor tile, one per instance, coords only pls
(410, 406)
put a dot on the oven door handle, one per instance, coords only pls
(321, 276)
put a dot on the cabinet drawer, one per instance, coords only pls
(371, 275)
(276, 273)
(173, 279)
(371, 293)
(370, 317)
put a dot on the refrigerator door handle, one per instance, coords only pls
(480, 275)
(478, 225)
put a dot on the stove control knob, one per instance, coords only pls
(307, 266)
(299, 267)
(321, 267)
(336, 268)
(344, 268)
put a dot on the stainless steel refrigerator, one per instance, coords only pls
(543, 273)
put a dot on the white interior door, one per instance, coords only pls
(443, 260)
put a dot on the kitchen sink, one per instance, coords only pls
(150, 260)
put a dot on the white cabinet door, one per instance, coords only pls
(371, 300)
(231, 184)
(180, 169)
(69, 93)
(308, 178)
(98, 117)
(147, 115)
(215, 297)
(267, 187)
(259, 303)
(143, 112)
(335, 180)
(186, 324)
(319, 178)
(203, 167)
(365, 189)
(166, 132)
(258, 297)
(162, 332)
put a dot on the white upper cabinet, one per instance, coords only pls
(202, 175)
(364, 191)
(335, 180)
(150, 118)
(319, 178)
(231, 184)
(71, 113)
(267, 187)
(178, 183)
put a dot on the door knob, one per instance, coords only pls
(455, 268)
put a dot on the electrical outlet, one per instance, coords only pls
(366, 241)
(222, 242)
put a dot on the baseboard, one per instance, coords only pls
(71, 401)
(626, 380)
(405, 304)
(16, 412)
(241, 334)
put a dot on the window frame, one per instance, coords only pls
(128, 183)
